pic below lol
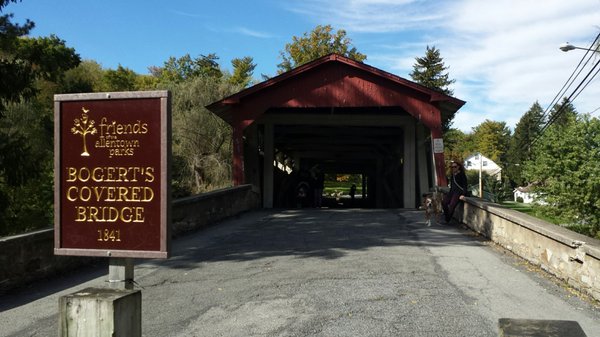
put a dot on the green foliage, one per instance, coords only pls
(492, 140)
(30, 72)
(565, 165)
(242, 71)
(26, 172)
(180, 69)
(121, 79)
(562, 114)
(458, 145)
(319, 42)
(526, 131)
(147, 82)
(86, 77)
(25, 60)
(89, 76)
(201, 140)
(431, 72)
(493, 189)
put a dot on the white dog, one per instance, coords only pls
(432, 204)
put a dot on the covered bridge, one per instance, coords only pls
(346, 117)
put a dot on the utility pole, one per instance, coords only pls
(480, 180)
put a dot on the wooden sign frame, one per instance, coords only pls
(112, 155)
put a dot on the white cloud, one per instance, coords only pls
(374, 16)
(513, 47)
(503, 54)
(253, 33)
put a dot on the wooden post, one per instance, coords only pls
(101, 312)
(120, 273)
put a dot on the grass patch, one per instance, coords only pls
(518, 206)
(531, 210)
(340, 186)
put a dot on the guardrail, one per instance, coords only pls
(28, 257)
(570, 256)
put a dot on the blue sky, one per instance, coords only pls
(503, 54)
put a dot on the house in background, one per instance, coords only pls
(478, 161)
(524, 193)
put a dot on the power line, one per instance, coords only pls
(576, 72)
(570, 99)
(569, 81)
(588, 82)
(594, 111)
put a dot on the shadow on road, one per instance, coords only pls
(303, 233)
(316, 233)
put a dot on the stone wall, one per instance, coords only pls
(195, 212)
(570, 256)
(28, 257)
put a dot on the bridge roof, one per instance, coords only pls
(332, 81)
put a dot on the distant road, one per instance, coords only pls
(321, 272)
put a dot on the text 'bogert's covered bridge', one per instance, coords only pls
(346, 117)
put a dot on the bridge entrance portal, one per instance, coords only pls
(340, 116)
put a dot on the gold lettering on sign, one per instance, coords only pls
(111, 134)
(110, 174)
(109, 235)
(132, 189)
(109, 214)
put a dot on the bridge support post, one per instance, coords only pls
(422, 161)
(268, 166)
(409, 167)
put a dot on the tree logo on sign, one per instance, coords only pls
(83, 127)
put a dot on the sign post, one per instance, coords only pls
(112, 185)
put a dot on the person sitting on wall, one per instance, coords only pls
(458, 189)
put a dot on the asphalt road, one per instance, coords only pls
(322, 272)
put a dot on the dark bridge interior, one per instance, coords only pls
(374, 152)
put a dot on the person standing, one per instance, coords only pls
(458, 189)
(319, 184)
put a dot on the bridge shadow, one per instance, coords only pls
(316, 233)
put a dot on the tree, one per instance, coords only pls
(180, 69)
(86, 77)
(25, 60)
(492, 139)
(201, 140)
(430, 72)
(458, 145)
(562, 113)
(565, 167)
(29, 70)
(242, 71)
(319, 42)
(14, 76)
(122, 79)
(526, 131)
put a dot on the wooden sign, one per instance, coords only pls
(111, 174)
(438, 145)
